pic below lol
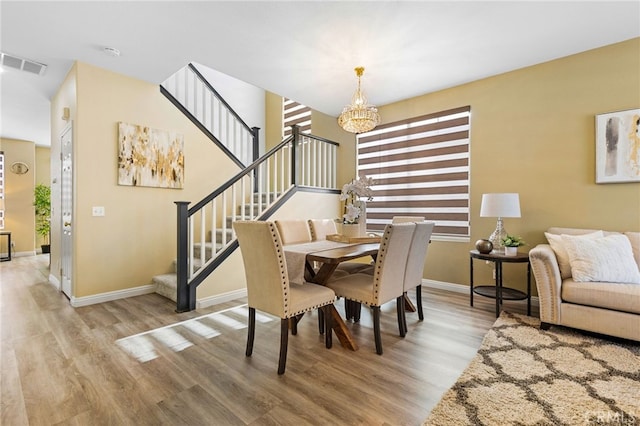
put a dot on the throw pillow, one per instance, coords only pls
(606, 259)
(557, 245)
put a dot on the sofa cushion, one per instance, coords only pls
(558, 246)
(614, 296)
(606, 259)
(634, 239)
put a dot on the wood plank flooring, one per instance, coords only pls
(136, 362)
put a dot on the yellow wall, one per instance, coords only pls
(136, 238)
(19, 210)
(532, 132)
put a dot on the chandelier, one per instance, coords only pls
(359, 117)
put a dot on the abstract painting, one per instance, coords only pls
(618, 146)
(150, 157)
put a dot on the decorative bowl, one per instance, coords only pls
(484, 246)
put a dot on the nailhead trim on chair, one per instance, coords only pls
(285, 276)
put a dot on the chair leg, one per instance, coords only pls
(294, 325)
(376, 329)
(402, 326)
(348, 308)
(251, 331)
(357, 307)
(328, 336)
(284, 339)
(321, 321)
(419, 302)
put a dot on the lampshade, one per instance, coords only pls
(359, 117)
(500, 205)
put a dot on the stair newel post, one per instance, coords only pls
(295, 131)
(255, 131)
(185, 301)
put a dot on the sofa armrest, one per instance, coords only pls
(544, 265)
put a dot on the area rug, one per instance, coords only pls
(523, 375)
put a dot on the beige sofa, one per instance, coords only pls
(611, 308)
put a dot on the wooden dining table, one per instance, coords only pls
(329, 259)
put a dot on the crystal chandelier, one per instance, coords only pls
(359, 117)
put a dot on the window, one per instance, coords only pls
(421, 168)
(295, 113)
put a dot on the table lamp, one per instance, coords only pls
(500, 205)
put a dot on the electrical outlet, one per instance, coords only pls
(97, 211)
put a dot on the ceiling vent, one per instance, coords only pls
(22, 64)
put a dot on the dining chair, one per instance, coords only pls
(293, 231)
(405, 219)
(354, 308)
(415, 263)
(387, 281)
(268, 288)
(320, 228)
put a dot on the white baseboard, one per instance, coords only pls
(77, 302)
(459, 288)
(54, 282)
(220, 298)
(443, 285)
(19, 254)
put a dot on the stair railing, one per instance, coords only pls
(205, 232)
(188, 90)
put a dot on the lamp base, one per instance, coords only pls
(497, 236)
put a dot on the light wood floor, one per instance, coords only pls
(61, 365)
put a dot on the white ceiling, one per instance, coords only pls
(303, 50)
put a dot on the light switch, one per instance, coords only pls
(97, 211)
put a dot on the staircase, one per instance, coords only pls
(167, 284)
(205, 236)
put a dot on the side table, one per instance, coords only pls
(499, 292)
(8, 256)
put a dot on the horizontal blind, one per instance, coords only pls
(421, 168)
(295, 113)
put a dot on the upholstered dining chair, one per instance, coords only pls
(415, 263)
(320, 228)
(293, 231)
(268, 288)
(405, 219)
(387, 281)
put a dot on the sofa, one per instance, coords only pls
(590, 280)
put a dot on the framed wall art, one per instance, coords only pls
(618, 146)
(150, 157)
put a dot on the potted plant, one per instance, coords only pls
(42, 203)
(511, 244)
(354, 217)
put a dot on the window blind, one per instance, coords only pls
(421, 168)
(295, 113)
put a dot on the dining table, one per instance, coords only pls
(301, 259)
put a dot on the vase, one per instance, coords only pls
(351, 230)
(362, 220)
(484, 246)
(510, 251)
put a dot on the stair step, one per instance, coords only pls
(166, 285)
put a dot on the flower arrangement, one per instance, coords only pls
(512, 241)
(351, 194)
